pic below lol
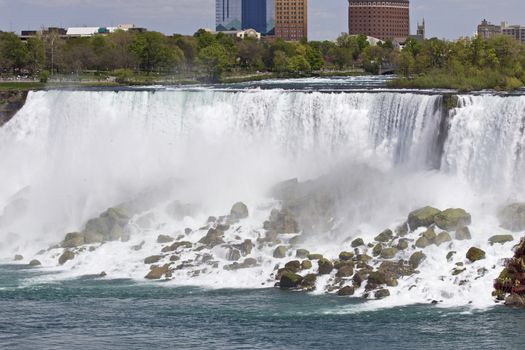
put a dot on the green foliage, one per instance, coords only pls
(123, 75)
(44, 76)
(153, 53)
(214, 59)
(14, 54)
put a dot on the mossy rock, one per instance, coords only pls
(233, 255)
(389, 253)
(91, 237)
(164, 239)
(378, 248)
(340, 263)
(315, 256)
(475, 254)
(73, 240)
(293, 266)
(443, 237)
(345, 271)
(346, 256)
(358, 242)
(402, 244)
(450, 255)
(325, 266)
(290, 280)
(463, 234)
(512, 217)
(239, 211)
(430, 235)
(19, 257)
(423, 217)
(377, 278)
(152, 259)
(213, 238)
(458, 271)
(306, 265)
(452, 219)
(402, 230)
(364, 258)
(302, 253)
(346, 291)
(34, 263)
(501, 239)
(309, 281)
(65, 257)
(297, 240)
(385, 236)
(416, 259)
(280, 252)
(422, 243)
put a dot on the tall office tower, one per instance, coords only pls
(254, 15)
(228, 14)
(379, 19)
(291, 19)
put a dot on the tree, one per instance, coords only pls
(299, 64)
(280, 61)
(204, 38)
(153, 53)
(37, 54)
(14, 54)
(214, 59)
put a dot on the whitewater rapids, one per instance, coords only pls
(69, 155)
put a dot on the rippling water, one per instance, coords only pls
(91, 313)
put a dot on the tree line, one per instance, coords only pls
(464, 64)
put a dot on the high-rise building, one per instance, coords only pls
(516, 31)
(488, 30)
(384, 20)
(228, 14)
(291, 19)
(254, 15)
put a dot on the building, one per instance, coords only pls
(80, 32)
(233, 15)
(241, 34)
(487, 30)
(291, 19)
(421, 30)
(385, 20)
(515, 31)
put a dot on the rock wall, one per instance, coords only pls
(10, 103)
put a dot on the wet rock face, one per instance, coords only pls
(510, 285)
(282, 221)
(213, 238)
(239, 211)
(475, 254)
(290, 280)
(156, 273)
(423, 217)
(512, 217)
(10, 103)
(65, 257)
(501, 239)
(452, 219)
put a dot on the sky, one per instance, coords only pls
(327, 18)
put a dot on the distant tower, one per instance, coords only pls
(421, 30)
(291, 19)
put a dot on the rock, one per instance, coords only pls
(280, 252)
(102, 274)
(35, 263)
(152, 259)
(213, 238)
(430, 235)
(325, 266)
(246, 264)
(402, 244)
(19, 257)
(314, 256)
(306, 265)
(402, 230)
(239, 211)
(138, 246)
(458, 271)
(297, 240)
(346, 291)
(233, 255)
(346, 256)
(73, 240)
(512, 217)
(164, 239)
(501, 239)
(174, 258)
(423, 217)
(282, 221)
(450, 255)
(385, 236)
(382, 294)
(364, 258)
(294, 266)
(443, 237)
(340, 263)
(175, 246)
(422, 243)
(302, 253)
(65, 257)
(376, 278)
(93, 237)
(157, 272)
(475, 254)
(515, 300)
(245, 247)
(416, 259)
(309, 281)
(389, 253)
(463, 234)
(345, 271)
(452, 219)
(358, 243)
(290, 280)
(378, 248)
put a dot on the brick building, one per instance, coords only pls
(384, 20)
(291, 19)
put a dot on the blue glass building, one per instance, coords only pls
(254, 15)
(245, 14)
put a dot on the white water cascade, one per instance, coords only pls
(69, 155)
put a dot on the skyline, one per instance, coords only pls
(328, 18)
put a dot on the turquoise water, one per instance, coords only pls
(91, 313)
